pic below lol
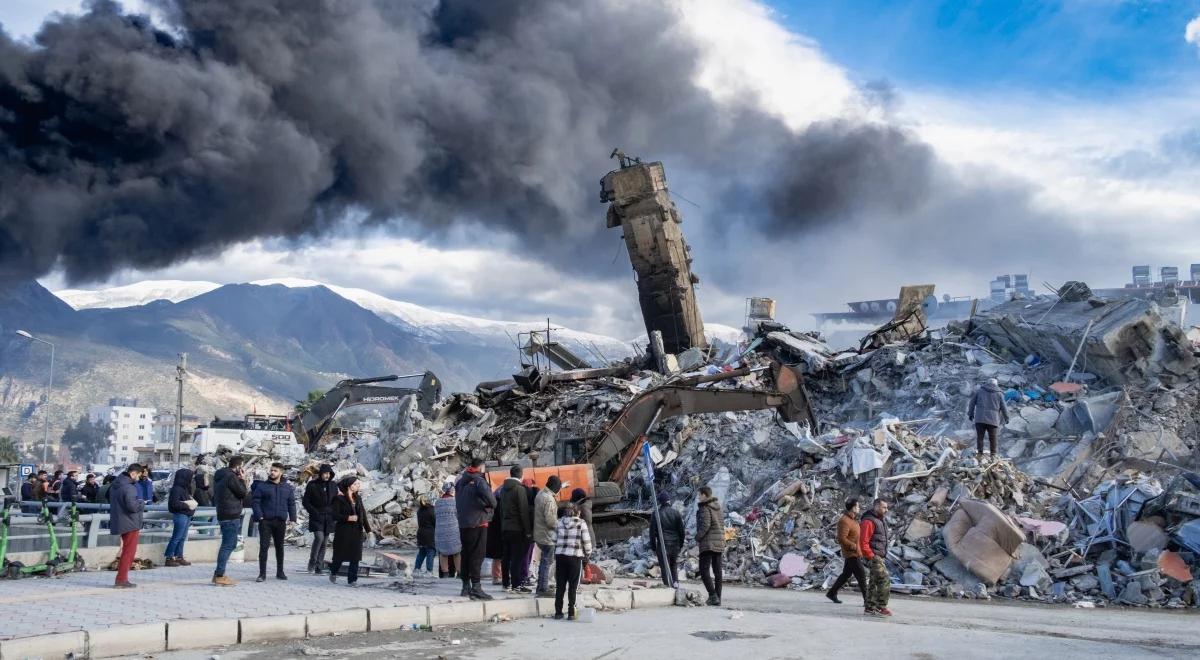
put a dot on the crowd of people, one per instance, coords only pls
(465, 524)
(61, 486)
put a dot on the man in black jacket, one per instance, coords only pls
(90, 490)
(516, 527)
(318, 502)
(474, 501)
(275, 507)
(229, 493)
(673, 534)
(69, 490)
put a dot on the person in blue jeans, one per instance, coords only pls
(229, 494)
(182, 507)
(426, 529)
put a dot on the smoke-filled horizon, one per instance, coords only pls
(130, 144)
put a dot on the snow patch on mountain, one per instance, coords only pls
(132, 295)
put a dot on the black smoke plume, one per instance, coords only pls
(123, 144)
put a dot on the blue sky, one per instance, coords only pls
(1084, 48)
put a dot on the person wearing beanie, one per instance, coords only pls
(474, 503)
(572, 548)
(318, 502)
(580, 499)
(350, 530)
(447, 540)
(545, 522)
(989, 412)
(673, 534)
(710, 539)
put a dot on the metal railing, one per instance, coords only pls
(27, 532)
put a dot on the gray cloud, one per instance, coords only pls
(129, 146)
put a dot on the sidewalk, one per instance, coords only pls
(76, 603)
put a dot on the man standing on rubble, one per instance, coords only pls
(474, 502)
(229, 494)
(873, 543)
(275, 507)
(318, 502)
(989, 412)
(847, 538)
(545, 521)
(516, 526)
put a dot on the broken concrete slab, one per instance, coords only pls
(918, 529)
(1119, 340)
(1143, 535)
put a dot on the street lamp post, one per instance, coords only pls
(49, 388)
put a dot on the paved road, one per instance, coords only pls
(83, 601)
(784, 624)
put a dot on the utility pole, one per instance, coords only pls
(46, 397)
(180, 372)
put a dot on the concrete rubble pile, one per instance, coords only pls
(1092, 498)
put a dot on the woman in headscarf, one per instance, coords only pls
(350, 530)
(447, 539)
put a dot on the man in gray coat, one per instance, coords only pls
(125, 520)
(989, 412)
(545, 524)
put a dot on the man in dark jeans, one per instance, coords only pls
(229, 493)
(474, 502)
(847, 538)
(516, 526)
(274, 506)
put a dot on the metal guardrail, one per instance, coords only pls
(28, 534)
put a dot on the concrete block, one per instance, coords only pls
(331, 623)
(643, 598)
(546, 606)
(614, 599)
(44, 646)
(201, 633)
(260, 628)
(516, 608)
(393, 618)
(127, 640)
(448, 614)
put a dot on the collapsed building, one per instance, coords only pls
(1093, 498)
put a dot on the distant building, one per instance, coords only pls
(130, 426)
(1168, 274)
(1141, 276)
(1007, 287)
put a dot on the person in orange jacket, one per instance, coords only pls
(847, 537)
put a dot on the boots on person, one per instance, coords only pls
(262, 577)
(466, 590)
(180, 561)
(478, 592)
(312, 566)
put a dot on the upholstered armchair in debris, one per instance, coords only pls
(984, 539)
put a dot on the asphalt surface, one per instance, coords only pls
(760, 624)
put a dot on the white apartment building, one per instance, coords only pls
(131, 427)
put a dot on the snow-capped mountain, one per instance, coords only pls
(433, 325)
(132, 295)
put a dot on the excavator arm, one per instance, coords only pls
(624, 436)
(310, 427)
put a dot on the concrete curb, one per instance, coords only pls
(207, 633)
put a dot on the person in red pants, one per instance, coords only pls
(125, 520)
